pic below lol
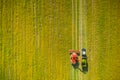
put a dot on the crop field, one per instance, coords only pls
(35, 36)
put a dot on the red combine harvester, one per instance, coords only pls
(74, 55)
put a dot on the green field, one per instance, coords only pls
(35, 36)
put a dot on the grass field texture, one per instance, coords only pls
(35, 36)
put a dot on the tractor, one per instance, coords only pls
(84, 62)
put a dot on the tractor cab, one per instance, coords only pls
(84, 62)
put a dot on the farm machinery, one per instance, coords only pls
(84, 62)
(76, 62)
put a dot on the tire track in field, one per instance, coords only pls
(80, 31)
(77, 37)
(72, 24)
(72, 35)
(76, 32)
